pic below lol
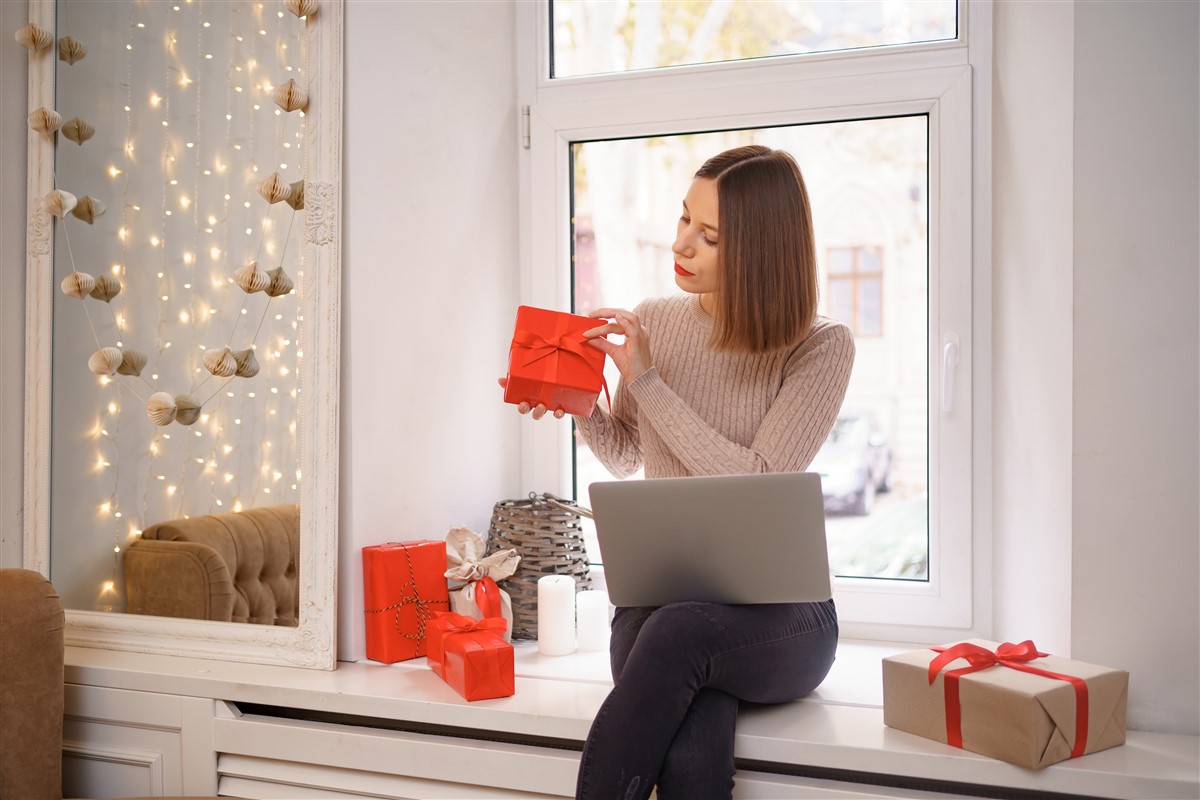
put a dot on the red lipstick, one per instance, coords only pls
(681, 271)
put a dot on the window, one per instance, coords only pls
(854, 286)
(600, 36)
(884, 136)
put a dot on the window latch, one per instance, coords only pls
(949, 362)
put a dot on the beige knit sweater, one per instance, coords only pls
(701, 412)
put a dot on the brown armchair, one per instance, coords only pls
(31, 686)
(232, 567)
(32, 683)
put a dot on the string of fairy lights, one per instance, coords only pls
(184, 277)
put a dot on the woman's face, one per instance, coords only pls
(696, 264)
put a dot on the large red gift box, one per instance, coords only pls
(550, 362)
(472, 656)
(404, 584)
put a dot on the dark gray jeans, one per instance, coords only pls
(679, 673)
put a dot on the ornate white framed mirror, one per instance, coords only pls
(168, 379)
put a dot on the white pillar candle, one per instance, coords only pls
(556, 615)
(592, 613)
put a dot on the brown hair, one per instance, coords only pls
(767, 286)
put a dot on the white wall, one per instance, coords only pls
(430, 278)
(1135, 599)
(1032, 340)
(1095, 279)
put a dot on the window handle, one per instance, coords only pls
(949, 362)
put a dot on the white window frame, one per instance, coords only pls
(938, 79)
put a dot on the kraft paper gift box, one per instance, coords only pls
(550, 362)
(1006, 701)
(471, 656)
(404, 584)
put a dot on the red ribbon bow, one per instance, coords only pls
(563, 341)
(1013, 656)
(459, 623)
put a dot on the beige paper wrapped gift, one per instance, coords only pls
(464, 556)
(1004, 708)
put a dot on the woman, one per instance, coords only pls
(738, 375)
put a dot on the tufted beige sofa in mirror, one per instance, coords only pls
(232, 567)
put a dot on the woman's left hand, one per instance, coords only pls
(632, 356)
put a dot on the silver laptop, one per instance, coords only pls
(724, 539)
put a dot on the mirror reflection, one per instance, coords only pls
(175, 322)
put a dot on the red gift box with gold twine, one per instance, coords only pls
(551, 363)
(1008, 701)
(472, 656)
(404, 584)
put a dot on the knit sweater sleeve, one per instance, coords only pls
(800, 417)
(613, 437)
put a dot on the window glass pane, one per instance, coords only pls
(868, 259)
(600, 36)
(841, 301)
(869, 322)
(840, 261)
(867, 181)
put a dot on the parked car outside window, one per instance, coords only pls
(855, 463)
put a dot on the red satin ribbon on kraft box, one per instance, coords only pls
(1009, 701)
(550, 362)
(472, 656)
(404, 584)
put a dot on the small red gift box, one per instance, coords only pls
(472, 656)
(404, 584)
(550, 362)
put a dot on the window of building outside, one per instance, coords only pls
(855, 288)
(886, 162)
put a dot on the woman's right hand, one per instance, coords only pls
(538, 411)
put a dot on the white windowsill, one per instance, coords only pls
(839, 727)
